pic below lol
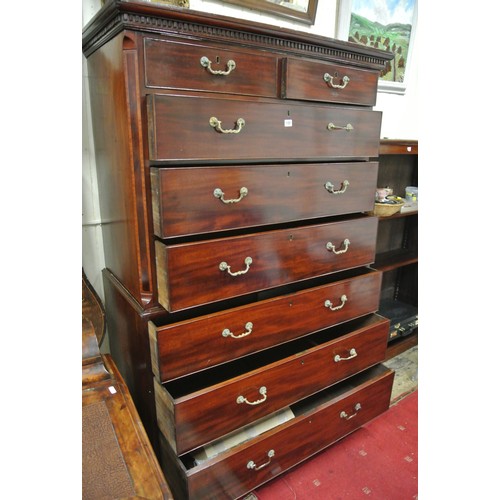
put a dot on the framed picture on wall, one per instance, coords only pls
(387, 25)
(303, 11)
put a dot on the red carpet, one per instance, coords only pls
(379, 461)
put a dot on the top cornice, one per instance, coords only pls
(118, 15)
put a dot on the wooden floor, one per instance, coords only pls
(405, 366)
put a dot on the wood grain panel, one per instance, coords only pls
(227, 475)
(179, 129)
(192, 275)
(305, 80)
(287, 380)
(184, 202)
(177, 66)
(273, 321)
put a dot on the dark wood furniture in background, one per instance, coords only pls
(397, 242)
(117, 458)
(234, 177)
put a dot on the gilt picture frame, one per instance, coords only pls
(388, 25)
(303, 11)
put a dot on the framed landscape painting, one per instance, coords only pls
(385, 25)
(303, 11)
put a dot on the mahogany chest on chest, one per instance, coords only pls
(234, 187)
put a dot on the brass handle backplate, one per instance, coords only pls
(330, 187)
(243, 399)
(224, 266)
(218, 193)
(331, 247)
(252, 465)
(329, 80)
(207, 64)
(217, 125)
(228, 333)
(343, 414)
(352, 354)
(348, 127)
(329, 304)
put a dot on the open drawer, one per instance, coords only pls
(317, 422)
(189, 409)
(223, 336)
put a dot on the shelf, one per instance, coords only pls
(401, 345)
(396, 258)
(399, 215)
(403, 317)
(398, 147)
(396, 310)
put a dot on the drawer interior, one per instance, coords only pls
(198, 381)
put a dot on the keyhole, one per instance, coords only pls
(217, 59)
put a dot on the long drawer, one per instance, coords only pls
(195, 128)
(223, 336)
(319, 421)
(192, 200)
(209, 68)
(191, 274)
(320, 81)
(188, 409)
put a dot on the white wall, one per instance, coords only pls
(399, 116)
(92, 247)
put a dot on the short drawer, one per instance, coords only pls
(191, 274)
(216, 338)
(318, 422)
(192, 200)
(184, 66)
(195, 129)
(189, 408)
(319, 81)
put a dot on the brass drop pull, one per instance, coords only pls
(329, 80)
(331, 247)
(252, 465)
(243, 399)
(224, 266)
(352, 354)
(217, 125)
(329, 186)
(207, 64)
(218, 193)
(329, 304)
(248, 327)
(348, 127)
(343, 414)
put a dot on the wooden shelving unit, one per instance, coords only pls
(397, 244)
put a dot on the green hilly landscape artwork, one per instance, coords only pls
(385, 25)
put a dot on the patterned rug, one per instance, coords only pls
(378, 461)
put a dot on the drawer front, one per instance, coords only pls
(194, 200)
(228, 475)
(318, 81)
(203, 129)
(185, 66)
(196, 273)
(216, 338)
(253, 395)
